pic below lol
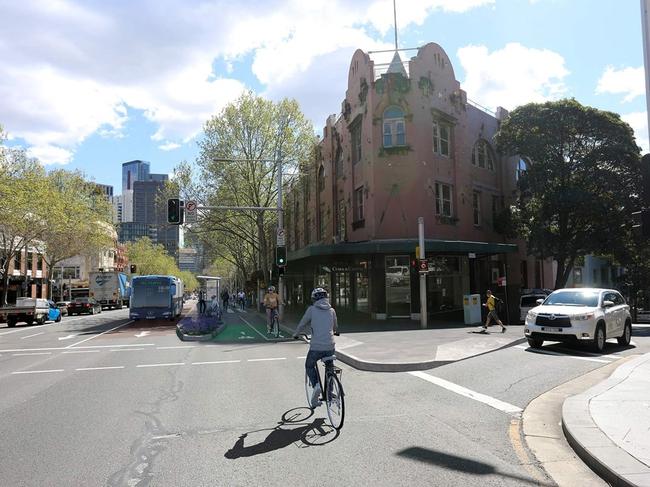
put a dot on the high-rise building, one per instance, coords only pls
(105, 189)
(133, 171)
(118, 208)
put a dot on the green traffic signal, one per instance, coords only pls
(174, 211)
(281, 256)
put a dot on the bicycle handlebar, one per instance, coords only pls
(295, 337)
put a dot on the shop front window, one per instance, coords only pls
(362, 290)
(398, 286)
(447, 282)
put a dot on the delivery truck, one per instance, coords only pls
(110, 289)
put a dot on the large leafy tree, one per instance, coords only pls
(78, 219)
(240, 155)
(581, 183)
(24, 203)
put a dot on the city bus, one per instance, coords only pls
(156, 297)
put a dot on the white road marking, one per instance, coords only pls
(161, 365)
(302, 357)
(217, 362)
(100, 334)
(116, 346)
(125, 349)
(640, 325)
(87, 346)
(175, 347)
(265, 359)
(102, 368)
(551, 352)
(142, 334)
(253, 328)
(82, 351)
(34, 335)
(33, 353)
(37, 371)
(68, 337)
(477, 396)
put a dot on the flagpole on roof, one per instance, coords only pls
(395, 22)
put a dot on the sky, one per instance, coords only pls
(91, 84)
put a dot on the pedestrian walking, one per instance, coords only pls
(201, 303)
(225, 296)
(491, 305)
(242, 299)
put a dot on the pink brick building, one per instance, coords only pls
(407, 144)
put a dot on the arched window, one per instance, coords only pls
(321, 178)
(522, 167)
(482, 155)
(394, 132)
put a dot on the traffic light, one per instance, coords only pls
(174, 211)
(134, 268)
(281, 256)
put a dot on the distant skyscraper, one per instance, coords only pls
(105, 189)
(133, 171)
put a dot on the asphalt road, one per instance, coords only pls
(102, 401)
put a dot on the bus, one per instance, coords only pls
(156, 297)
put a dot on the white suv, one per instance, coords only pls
(580, 315)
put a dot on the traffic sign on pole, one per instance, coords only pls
(190, 206)
(280, 238)
(424, 265)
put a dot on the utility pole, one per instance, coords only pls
(423, 275)
(280, 227)
(645, 29)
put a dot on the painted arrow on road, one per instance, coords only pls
(68, 337)
(143, 334)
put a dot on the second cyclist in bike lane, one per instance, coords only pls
(271, 303)
(322, 317)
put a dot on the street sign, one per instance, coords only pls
(424, 265)
(472, 255)
(190, 211)
(280, 238)
(501, 281)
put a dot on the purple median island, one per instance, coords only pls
(197, 327)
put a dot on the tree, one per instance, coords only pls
(582, 181)
(241, 151)
(151, 258)
(24, 198)
(78, 220)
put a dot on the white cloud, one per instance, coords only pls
(84, 64)
(512, 76)
(639, 122)
(628, 81)
(50, 154)
(169, 146)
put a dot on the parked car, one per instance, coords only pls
(584, 315)
(63, 307)
(84, 305)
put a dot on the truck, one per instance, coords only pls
(30, 311)
(110, 289)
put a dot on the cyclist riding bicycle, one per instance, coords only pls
(324, 326)
(271, 303)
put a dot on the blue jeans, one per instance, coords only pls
(313, 356)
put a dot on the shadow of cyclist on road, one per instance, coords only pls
(285, 434)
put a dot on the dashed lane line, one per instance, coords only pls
(82, 351)
(175, 347)
(32, 353)
(34, 335)
(463, 391)
(102, 368)
(37, 371)
(217, 362)
(551, 352)
(126, 349)
(162, 365)
(65, 348)
(265, 359)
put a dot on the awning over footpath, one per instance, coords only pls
(402, 246)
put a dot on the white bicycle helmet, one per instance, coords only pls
(318, 293)
(271, 289)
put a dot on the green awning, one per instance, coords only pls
(402, 246)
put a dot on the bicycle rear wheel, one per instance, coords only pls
(309, 390)
(335, 402)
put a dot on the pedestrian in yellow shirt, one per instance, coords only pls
(491, 305)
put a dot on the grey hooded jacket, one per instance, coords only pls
(323, 325)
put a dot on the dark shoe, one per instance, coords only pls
(503, 329)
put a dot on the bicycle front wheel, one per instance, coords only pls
(335, 402)
(276, 326)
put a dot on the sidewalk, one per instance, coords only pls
(398, 346)
(609, 425)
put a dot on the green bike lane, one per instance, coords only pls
(247, 327)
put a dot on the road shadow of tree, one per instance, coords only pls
(461, 464)
(292, 429)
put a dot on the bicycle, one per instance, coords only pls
(275, 323)
(331, 391)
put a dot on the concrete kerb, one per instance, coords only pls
(602, 455)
